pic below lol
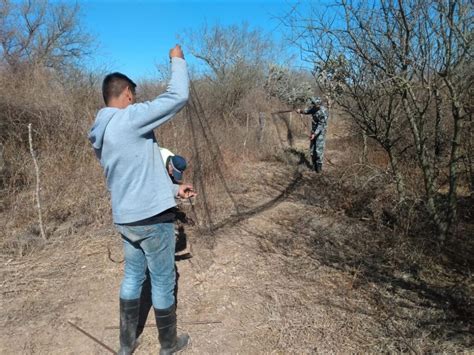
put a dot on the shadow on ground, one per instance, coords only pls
(422, 292)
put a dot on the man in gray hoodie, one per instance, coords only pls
(142, 197)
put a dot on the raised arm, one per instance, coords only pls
(151, 114)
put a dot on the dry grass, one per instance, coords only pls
(387, 291)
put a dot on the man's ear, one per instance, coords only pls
(129, 94)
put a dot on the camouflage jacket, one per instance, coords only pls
(319, 117)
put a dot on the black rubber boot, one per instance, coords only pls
(167, 334)
(129, 312)
(318, 167)
(145, 305)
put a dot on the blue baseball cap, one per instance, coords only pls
(178, 163)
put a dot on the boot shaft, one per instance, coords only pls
(167, 332)
(166, 324)
(129, 313)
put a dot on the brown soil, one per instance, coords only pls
(276, 279)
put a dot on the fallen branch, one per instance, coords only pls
(93, 338)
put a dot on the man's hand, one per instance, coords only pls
(312, 136)
(298, 110)
(186, 191)
(176, 52)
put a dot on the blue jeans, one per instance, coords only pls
(151, 246)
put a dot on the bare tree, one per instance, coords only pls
(42, 82)
(402, 70)
(235, 59)
(39, 32)
(288, 86)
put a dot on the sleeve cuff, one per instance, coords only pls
(177, 60)
(175, 190)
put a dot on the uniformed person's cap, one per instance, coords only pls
(315, 100)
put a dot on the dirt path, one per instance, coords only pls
(237, 296)
(271, 281)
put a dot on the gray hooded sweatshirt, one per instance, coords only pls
(126, 146)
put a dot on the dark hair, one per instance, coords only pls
(114, 84)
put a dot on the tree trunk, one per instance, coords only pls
(454, 158)
(470, 153)
(398, 177)
(364, 157)
(261, 126)
(427, 171)
(438, 148)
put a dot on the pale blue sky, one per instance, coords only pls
(134, 35)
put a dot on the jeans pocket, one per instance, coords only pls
(135, 233)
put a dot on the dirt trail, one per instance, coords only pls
(263, 283)
(236, 296)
